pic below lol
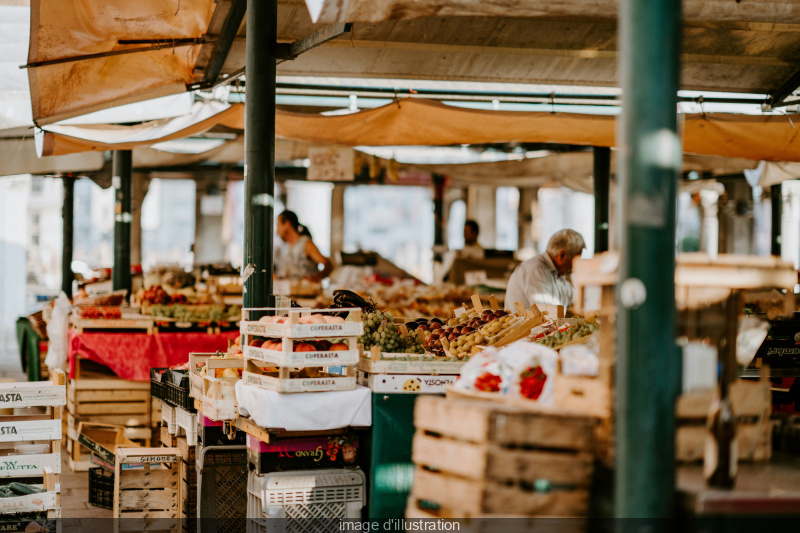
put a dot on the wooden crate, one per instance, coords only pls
(30, 427)
(146, 325)
(481, 458)
(109, 397)
(151, 493)
(187, 475)
(351, 327)
(283, 381)
(752, 405)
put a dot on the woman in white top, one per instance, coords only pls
(303, 258)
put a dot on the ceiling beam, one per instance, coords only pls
(309, 42)
(778, 97)
(224, 29)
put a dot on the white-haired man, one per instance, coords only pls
(544, 280)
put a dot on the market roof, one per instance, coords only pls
(80, 59)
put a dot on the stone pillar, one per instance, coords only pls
(481, 207)
(709, 229)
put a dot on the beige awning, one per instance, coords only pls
(57, 139)
(18, 156)
(427, 123)
(74, 29)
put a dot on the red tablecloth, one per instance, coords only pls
(132, 355)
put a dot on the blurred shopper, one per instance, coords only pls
(471, 250)
(302, 258)
(545, 279)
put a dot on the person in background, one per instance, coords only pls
(471, 250)
(302, 258)
(544, 279)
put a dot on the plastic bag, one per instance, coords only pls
(530, 369)
(581, 359)
(57, 331)
(482, 372)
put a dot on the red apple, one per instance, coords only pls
(338, 347)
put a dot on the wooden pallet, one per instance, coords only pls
(151, 493)
(480, 458)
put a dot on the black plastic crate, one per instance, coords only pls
(177, 387)
(101, 488)
(158, 383)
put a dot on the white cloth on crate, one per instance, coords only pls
(313, 411)
(537, 281)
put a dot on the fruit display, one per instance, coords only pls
(91, 312)
(556, 338)
(410, 300)
(204, 313)
(317, 318)
(155, 295)
(465, 332)
(380, 330)
(334, 345)
(172, 276)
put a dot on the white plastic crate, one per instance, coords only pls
(305, 494)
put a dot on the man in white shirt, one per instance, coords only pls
(544, 280)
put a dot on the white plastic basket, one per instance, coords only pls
(302, 496)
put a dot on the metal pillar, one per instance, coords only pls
(67, 214)
(776, 197)
(259, 152)
(648, 364)
(121, 179)
(602, 184)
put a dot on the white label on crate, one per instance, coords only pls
(408, 383)
(30, 430)
(29, 503)
(29, 465)
(31, 395)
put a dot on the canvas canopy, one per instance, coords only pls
(408, 122)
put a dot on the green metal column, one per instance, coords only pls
(648, 363)
(602, 184)
(777, 207)
(259, 151)
(67, 215)
(121, 177)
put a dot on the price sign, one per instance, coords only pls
(331, 164)
(475, 277)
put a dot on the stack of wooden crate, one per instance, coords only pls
(30, 444)
(476, 459)
(148, 494)
(187, 472)
(106, 399)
